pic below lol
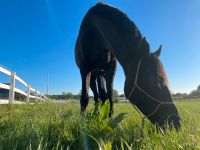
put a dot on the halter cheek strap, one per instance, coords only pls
(147, 94)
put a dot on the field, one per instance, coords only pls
(59, 126)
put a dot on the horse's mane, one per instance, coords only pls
(110, 12)
(162, 73)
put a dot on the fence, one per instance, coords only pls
(30, 93)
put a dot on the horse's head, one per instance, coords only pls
(151, 93)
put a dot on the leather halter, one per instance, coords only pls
(147, 94)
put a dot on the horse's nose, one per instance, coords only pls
(175, 121)
(167, 115)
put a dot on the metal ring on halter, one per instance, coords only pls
(151, 97)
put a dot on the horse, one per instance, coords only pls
(108, 35)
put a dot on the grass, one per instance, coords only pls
(59, 126)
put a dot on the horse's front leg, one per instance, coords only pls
(93, 86)
(102, 88)
(109, 83)
(85, 89)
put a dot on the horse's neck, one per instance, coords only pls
(122, 46)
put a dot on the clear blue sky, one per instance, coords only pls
(37, 37)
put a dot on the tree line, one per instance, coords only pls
(117, 97)
(193, 94)
(70, 95)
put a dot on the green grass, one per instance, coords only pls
(59, 126)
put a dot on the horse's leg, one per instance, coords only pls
(110, 73)
(93, 86)
(85, 89)
(102, 87)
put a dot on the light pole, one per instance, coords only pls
(47, 84)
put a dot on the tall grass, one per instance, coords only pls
(59, 126)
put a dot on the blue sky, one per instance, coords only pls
(37, 38)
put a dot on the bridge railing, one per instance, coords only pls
(29, 93)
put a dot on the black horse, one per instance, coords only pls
(106, 36)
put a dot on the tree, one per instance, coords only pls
(115, 95)
(198, 88)
(193, 93)
(78, 96)
(68, 95)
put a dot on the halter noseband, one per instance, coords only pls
(148, 95)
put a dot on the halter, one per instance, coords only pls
(147, 94)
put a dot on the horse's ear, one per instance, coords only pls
(144, 45)
(157, 53)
